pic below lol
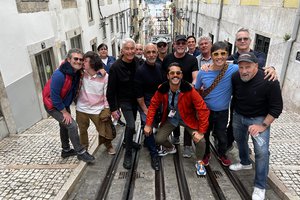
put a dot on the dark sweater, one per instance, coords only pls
(147, 80)
(257, 97)
(120, 86)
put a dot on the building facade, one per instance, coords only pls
(274, 28)
(35, 36)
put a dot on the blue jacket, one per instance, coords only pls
(110, 61)
(57, 83)
(260, 56)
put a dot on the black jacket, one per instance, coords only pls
(120, 86)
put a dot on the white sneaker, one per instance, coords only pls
(239, 166)
(258, 194)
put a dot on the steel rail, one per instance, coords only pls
(238, 185)
(106, 183)
(160, 192)
(181, 179)
(130, 180)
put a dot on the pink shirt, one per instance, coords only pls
(92, 94)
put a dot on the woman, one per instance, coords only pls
(106, 59)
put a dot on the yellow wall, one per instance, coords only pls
(226, 1)
(250, 2)
(291, 3)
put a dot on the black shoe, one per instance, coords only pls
(121, 123)
(65, 154)
(127, 161)
(155, 163)
(86, 157)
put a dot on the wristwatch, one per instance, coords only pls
(264, 124)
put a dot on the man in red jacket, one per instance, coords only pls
(181, 105)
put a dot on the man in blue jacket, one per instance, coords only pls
(58, 94)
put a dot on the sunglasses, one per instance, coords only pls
(76, 59)
(181, 43)
(242, 39)
(222, 53)
(161, 45)
(172, 73)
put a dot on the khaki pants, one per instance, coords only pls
(83, 121)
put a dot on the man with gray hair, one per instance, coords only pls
(58, 94)
(205, 44)
(120, 94)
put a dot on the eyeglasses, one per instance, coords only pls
(222, 53)
(172, 73)
(76, 59)
(242, 39)
(159, 45)
(181, 43)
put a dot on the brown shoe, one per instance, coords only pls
(111, 151)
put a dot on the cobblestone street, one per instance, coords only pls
(31, 166)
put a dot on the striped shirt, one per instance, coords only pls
(92, 94)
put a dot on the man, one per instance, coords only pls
(147, 79)
(189, 69)
(92, 103)
(205, 45)
(259, 103)
(106, 59)
(191, 44)
(182, 105)
(120, 93)
(58, 94)
(242, 42)
(217, 100)
(139, 50)
(162, 46)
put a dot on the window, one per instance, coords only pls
(262, 44)
(193, 29)
(89, 10)
(113, 49)
(200, 31)
(45, 65)
(111, 25)
(229, 46)
(104, 29)
(29, 6)
(212, 37)
(117, 23)
(76, 42)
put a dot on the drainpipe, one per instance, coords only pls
(219, 20)
(288, 49)
(197, 12)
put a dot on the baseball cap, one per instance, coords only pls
(161, 40)
(180, 37)
(248, 57)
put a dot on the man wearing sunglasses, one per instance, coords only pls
(189, 71)
(242, 42)
(162, 47)
(181, 105)
(58, 94)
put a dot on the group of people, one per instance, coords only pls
(200, 88)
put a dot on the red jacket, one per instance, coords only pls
(191, 107)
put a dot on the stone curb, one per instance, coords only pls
(68, 187)
(279, 188)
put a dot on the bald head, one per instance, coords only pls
(150, 53)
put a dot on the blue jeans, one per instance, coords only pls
(240, 131)
(67, 131)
